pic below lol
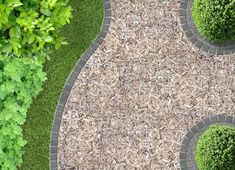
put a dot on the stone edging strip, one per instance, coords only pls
(70, 82)
(194, 36)
(187, 161)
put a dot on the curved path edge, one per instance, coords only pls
(71, 80)
(193, 35)
(188, 145)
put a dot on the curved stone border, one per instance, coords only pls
(70, 82)
(187, 154)
(193, 35)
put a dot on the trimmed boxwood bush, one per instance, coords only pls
(215, 19)
(20, 81)
(30, 28)
(215, 149)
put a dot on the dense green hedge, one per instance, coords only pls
(215, 149)
(20, 81)
(215, 19)
(30, 28)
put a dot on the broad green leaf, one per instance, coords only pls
(3, 17)
(48, 39)
(31, 38)
(7, 48)
(52, 3)
(15, 43)
(15, 32)
(46, 12)
(17, 4)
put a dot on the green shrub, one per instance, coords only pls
(20, 81)
(215, 19)
(30, 28)
(29, 31)
(215, 149)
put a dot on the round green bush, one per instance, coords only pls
(215, 149)
(215, 19)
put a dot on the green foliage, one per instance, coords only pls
(30, 28)
(84, 27)
(20, 81)
(215, 149)
(215, 19)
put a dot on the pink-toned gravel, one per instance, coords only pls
(141, 91)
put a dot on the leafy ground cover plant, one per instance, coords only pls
(30, 28)
(20, 81)
(215, 149)
(215, 19)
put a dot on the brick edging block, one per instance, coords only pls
(200, 127)
(70, 82)
(191, 32)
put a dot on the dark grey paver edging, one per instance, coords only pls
(70, 82)
(194, 36)
(187, 161)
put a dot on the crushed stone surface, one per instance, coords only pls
(140, 92)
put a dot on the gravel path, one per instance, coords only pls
(141, 91)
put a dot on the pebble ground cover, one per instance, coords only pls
(141, 91)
